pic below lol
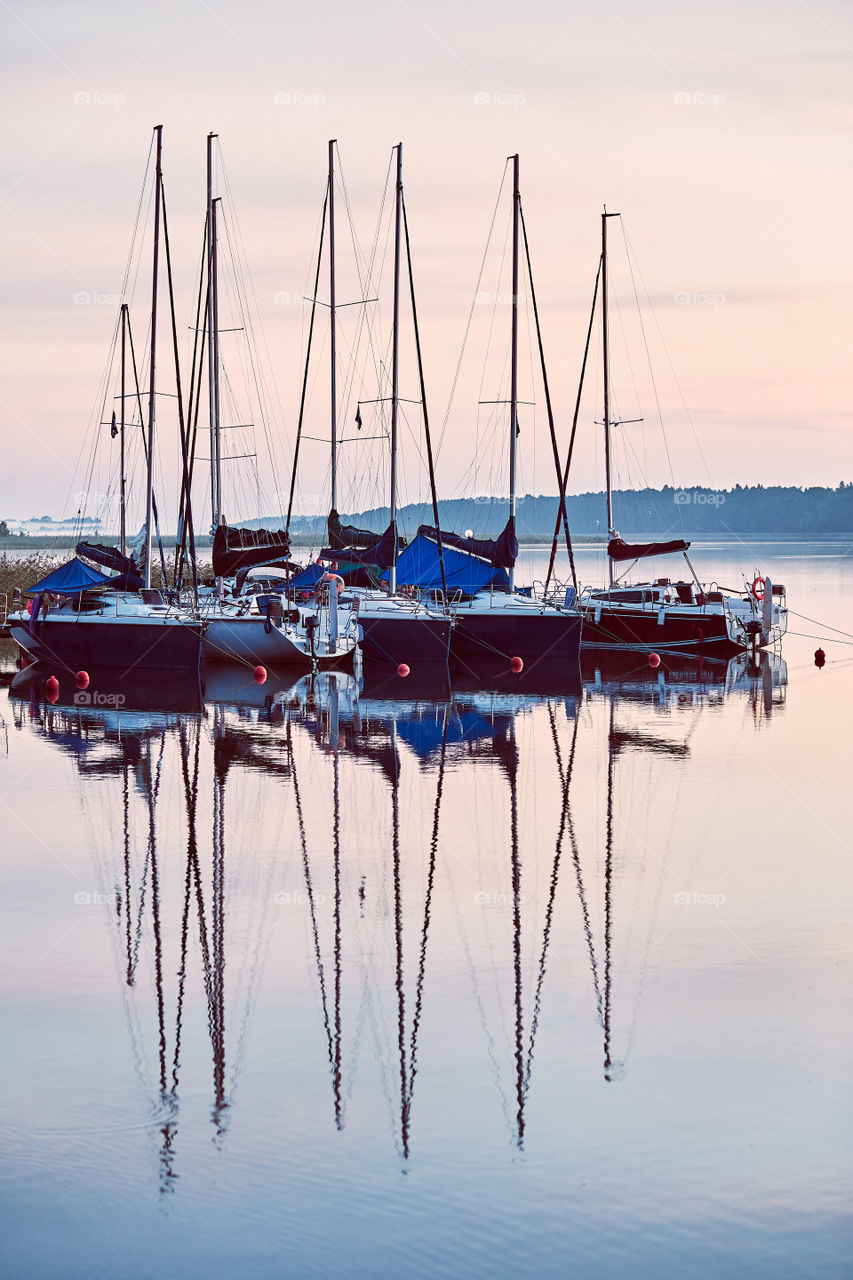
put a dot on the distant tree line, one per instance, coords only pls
(697, 511)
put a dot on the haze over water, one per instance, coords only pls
(306, 982)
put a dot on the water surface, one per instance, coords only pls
(320, 981)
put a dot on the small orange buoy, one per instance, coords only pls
(654, 659)
(402, 671)
(260, 674)
(517, 664)
(82, 679)
(819, 657)
(51, 688)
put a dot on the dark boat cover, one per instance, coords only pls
(238, 548)
(346, 535)
(619, 550)
(130, 578)
(381, 552)
(500, 552)
(419, 566)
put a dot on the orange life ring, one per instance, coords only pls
(758, 588)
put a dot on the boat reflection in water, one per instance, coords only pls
(511, 835)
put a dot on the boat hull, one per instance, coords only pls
(126, 644)
(496, 636)
(641, 632)
(413, 640)
(249, 640)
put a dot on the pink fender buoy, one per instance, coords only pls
(654, 659)
(517, 665)
(402, 671)
(30, 607)
(82, 679)
(51, 688)
(260, 674)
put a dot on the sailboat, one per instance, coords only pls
(683, 616)
(393, 628)
(254, 623)
(494, 624)
(79, 617)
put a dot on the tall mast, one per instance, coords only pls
(513, 416)
(149, 493)
(392, 574)
(215, 330)
(606, 359)
(333, 335)
(212, 346)
(122, 482)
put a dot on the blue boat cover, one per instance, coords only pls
(419, 566)
(502, 551)
(71, 579)
(309, 577)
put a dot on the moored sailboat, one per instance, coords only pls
(79, 617)
(494, 624)
(685, 616)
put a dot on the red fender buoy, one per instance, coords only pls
(654, 659)
(82, 679)
(517, 665)
(260, 674)
(51, 688)
(819, 658)
(403, 670)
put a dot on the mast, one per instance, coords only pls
(606, 358)
(333, 335)
(215, 328)
(513, 416)
(122, 482)
(392, 573)
(149, 494)
(212, 352)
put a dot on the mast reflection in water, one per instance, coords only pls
(394, 835)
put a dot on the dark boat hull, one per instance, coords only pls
(497, 636)
(642, 633)
(123, 646)
(410, 640)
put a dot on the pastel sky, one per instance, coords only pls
(721, 133)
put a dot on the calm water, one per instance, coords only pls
(302, 982)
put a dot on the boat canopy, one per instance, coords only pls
(380, 552)
(619, 550)
(130, 578)
(500, 552)
(347, 535)
(308, 578)
(71, 579)
(420, 566)
(238, 548)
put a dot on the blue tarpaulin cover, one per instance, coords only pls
(71, 579)
(419, 566)
(309, 577)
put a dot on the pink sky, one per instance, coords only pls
(721, 133)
